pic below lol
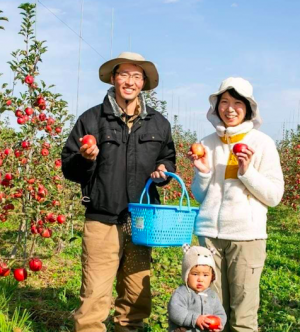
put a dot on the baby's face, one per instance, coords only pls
(200, 278)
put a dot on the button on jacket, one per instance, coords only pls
(124, 163)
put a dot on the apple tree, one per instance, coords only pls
(289, 149)
(33, 192)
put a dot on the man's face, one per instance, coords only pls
(128, 81)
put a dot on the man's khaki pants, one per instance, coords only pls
(239, 267)
(107, 252)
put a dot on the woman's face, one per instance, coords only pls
(232, 111)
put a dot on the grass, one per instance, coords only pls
(51, 295)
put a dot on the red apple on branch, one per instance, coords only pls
(61, 218)
(20, 274)
(35, 264)
(29, 79)
(4, 270)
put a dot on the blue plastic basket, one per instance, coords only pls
(162, 225)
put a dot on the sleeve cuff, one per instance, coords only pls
(202, 175)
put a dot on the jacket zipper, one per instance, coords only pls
(223, 190)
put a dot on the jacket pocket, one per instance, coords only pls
(150, 144)
(151, 137)
(109, 143)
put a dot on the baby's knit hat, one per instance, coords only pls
(196, 255)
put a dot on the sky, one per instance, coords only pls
(195, 44)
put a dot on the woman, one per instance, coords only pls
(234, 191)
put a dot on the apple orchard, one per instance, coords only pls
(35, 200)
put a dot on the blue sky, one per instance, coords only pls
(195, 44)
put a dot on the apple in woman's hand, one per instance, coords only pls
(239, 147)
(197, 149)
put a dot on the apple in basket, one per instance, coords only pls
(198, 149)
(239, 147)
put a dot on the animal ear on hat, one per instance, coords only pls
(212, 250)
(185, 248)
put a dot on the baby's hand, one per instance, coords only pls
(201, 322)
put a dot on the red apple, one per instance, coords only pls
(18, 153)
(42, 116)
(198, 149)
(47, 232)
(29, 79)
(48, 128)
(35, 264)
(215, 322)
(20, 274)
(34, 229)
(29, 110)
(61, 218)
(8, 176)
(19, 113)
(7, 151)
(90, 140)
(25, 145)
(8, 103)
(57, 163)
(44, 152)
(4, 270)
(51, 217)
(21, 120)
(58, 130)
(239, 147)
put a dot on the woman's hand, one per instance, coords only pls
(89, 153)
(244, 159)
(201, 163)
(159, 175)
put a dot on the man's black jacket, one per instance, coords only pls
(124, 163)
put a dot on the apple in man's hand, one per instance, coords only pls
(90, 140)
(198, 149)
(239, 147)
(215, 322)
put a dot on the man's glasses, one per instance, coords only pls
(124, 76)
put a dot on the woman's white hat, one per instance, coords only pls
(149, 68)
(242, 87)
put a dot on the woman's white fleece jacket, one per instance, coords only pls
(236, 209)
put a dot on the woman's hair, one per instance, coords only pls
(233, 93)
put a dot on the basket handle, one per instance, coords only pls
(175, 176)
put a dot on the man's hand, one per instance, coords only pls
(159, 175)
(89, 153)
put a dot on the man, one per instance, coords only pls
(133, 142)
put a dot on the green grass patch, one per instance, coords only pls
(50, 297)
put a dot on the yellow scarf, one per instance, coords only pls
(232, 167)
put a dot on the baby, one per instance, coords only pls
(192, 303)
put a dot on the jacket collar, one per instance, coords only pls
(243, 128)
(111, 94)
